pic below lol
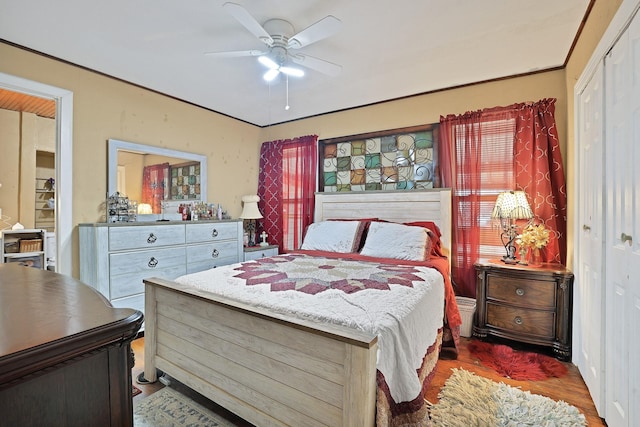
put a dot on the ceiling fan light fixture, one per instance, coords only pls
(279, 37)
(271, 74)
(295, 72)
(268, 62)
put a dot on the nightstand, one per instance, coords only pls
(257, 252)
(526, 304)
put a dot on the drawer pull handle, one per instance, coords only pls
(585, 227)
(152, 238)
(520, 292)
(152, 262)
(214, 233)
(518, 320)
(215, 253)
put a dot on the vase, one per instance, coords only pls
(535, 257)
(524, 255)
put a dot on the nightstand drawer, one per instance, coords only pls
(262, 252)
(532, 322)
(524, 292)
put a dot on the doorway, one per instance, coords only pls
(63, 161)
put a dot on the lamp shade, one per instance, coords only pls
(512, 205)
(250, 208)
(144, 209)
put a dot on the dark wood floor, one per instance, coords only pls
(570, 388)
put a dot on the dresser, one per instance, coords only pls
(65, 355)
(116, 257)
(526, 304)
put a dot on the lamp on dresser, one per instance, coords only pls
(511, 206)
(251, 212)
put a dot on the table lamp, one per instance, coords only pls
(251, 212)
(510, 206)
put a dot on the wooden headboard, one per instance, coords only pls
(397, 206)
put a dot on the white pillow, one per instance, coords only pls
(333, 236)
(392, 240)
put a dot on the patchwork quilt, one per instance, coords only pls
(403, 304)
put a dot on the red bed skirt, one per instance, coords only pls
(413, 413)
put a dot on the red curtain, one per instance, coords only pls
(286, 186)
(536, 168)
(154, 184)
(539, 172)
(472, 169)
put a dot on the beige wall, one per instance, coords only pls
(9, 164)
(21, 136)
(425, 109)
(106, 108)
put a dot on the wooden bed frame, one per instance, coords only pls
(270, 369)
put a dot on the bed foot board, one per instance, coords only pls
(269, 370)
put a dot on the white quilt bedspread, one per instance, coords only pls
(406, 317)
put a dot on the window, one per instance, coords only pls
(496, 174)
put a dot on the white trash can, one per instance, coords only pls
(467, 307)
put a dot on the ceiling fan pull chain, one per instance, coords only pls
(286, 107)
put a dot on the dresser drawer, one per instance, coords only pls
(136, 302)
(138, 237)
(208, 232)
(127, 269)
(523, 292)
(524, 321)
(221, 253)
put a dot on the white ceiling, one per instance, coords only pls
(387, 49)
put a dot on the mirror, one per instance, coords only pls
(159, 177)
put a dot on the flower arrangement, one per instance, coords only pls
(533, 237)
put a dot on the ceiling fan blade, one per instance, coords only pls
(249, 22)
(322, 29)
(236, 53)
(317, 64)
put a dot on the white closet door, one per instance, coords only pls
(622, 70)
(631, 153)
(588, 303)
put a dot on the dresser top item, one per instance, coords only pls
(50, 316)
(159, 222)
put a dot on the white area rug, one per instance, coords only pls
(469, 400)
(169, 408)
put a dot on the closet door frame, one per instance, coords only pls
(589, 265)
(615, 30)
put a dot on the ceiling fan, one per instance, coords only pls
(282, 44)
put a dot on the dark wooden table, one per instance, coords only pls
(65, 356)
